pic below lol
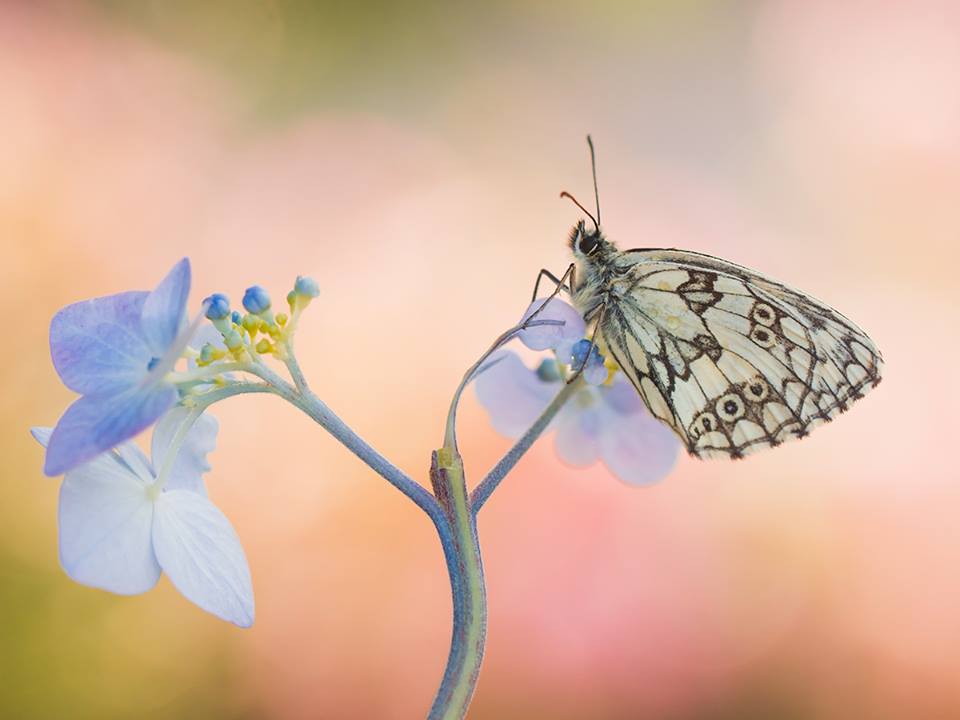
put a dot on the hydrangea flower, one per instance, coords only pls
(604, 420)
(115, 351)
(120, 526)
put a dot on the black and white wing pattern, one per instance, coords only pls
(733, 361)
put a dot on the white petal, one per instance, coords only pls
(41, 434)
(207, 333)
(637, 448)
(105, 527)
(134, 458)
(513, 394)
(546, 337)
(200, 552)
(191, 461)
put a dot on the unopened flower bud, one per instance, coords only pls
(218, 306)
(306, 286)
(256, 300)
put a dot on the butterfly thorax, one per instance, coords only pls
(597, 268)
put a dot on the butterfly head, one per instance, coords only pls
(588, 243)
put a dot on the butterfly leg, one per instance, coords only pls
(553, 278)
(598, 312)
(570, 273)
(561, 283)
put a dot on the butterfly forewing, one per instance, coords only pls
(733, 361)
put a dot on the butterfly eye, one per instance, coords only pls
(588, 243)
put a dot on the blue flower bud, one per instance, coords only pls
(236, 318)
(579, 353)
(306, 286)
(218, 306)
(256, 300)
(594, 371)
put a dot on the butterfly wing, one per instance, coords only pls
(732, 360)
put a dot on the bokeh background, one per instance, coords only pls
(410, 156)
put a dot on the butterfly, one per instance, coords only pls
(732, 360)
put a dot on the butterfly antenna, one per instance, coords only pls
(570, 197)
(596, 193)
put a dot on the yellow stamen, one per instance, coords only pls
(251, 323)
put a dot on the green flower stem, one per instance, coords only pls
(202, 402)
(204, 373)
(461, 550)
(482, 492)
(294, 367)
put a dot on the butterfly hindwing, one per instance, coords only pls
(733, 361)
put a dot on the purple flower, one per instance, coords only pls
(116, 351)
(604, 420)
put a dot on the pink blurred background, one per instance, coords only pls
(410, 160)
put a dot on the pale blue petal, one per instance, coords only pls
(106, 520)
(595, 374)
(577, 442)
(191, 461)
(97, 423)
(564, 350)
(200, 552)
(513, 394)
(547, 337)
(622, 396)
(167, 362)
(132, 456)
(97, 346)
(637, 448)
(42, 434)
(165, 309)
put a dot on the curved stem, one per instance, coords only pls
(461, 549)
(229, 390)
(450, 431)
(178, 437)
(482, 492)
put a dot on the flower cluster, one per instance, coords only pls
(123, 518)
(604, 420)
